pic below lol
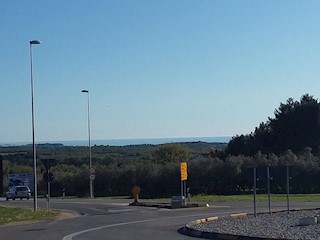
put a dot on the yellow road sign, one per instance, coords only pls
(183, 171)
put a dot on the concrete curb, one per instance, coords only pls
(187, 230)
(168, 205)
(209, 219)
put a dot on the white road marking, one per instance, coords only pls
(70, 236)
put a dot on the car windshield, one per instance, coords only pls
(22, 189)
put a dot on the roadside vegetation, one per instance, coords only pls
(290, 138)
(259, 198)
(14, 215)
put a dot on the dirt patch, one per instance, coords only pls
(66, 215)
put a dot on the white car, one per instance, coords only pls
(18, 192)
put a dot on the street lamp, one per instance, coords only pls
(89, 134)
(35, 205)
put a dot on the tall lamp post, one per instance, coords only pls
(89, 134)
(35, 204)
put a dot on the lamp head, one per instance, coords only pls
(85, 91)
(35, 42)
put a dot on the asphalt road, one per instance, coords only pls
(114, 219)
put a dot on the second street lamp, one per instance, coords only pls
(91, 169)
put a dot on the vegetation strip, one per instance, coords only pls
(260, 198)
(10, 215)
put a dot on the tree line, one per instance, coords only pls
(158, 175)
(291, 139)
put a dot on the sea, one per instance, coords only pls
(125, 142)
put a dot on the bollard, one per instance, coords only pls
(135, 192)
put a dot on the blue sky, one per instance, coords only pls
(154, 68)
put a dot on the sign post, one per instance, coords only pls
(48, 177)
(92, 177)
(184, 177)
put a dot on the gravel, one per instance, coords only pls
(279, 225)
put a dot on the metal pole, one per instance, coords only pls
(288, 189)
(89, 134)
(255, 191)
(49, 189)
(90, 159)
(185, 192)
(35, 204)
(268, 185)
(181, 192)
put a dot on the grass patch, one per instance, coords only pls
(14, 214)
(235, 198)
(260, 198)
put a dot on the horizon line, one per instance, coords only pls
(226, 138)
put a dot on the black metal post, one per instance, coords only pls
(268, 186)
(255, 191)
(288, 189)
(1, 176)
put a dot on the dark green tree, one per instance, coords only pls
(296, 125)
(171, 152)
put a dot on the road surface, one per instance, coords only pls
(115, 219)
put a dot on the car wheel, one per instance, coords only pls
(7, 199)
